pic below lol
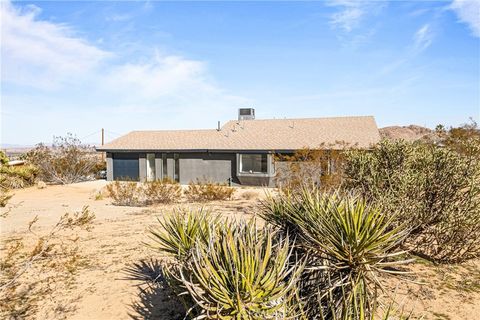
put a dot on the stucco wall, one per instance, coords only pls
(215, 167)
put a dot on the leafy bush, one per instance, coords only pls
(66, 161)
(208, 191)
(348, 244)
(162, 191)
(318, 168)
(125, 193)
(228, 271)
(434, 190)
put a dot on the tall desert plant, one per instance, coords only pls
(243, 273)
(177, 234)
(348, 244)
(67, 160)
(434, 189)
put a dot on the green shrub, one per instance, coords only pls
(17, 177)
(125, 193)
(162, 191)
(348, 245)
(434, 190)
(208, 191)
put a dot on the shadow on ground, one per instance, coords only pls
(155, 300)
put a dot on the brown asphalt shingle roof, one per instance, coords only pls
(272, 134)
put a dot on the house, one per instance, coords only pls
(240, 152)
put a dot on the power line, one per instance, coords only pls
(91, 134)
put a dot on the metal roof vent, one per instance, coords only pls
(246, 114)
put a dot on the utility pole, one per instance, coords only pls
(103, 141)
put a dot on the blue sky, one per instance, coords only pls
(80, 66)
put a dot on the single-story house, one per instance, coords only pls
(240, 152)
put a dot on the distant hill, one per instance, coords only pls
(408, 133)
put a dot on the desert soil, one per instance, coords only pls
(110, 283)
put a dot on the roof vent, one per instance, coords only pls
(246, 114)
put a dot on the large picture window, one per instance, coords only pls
(253, 163)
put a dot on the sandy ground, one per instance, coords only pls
(110, 286)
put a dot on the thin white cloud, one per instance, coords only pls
(118, 17)
(54, 69)
(46, 55)
(423, 38)
(42, 54)
(351, 13)
(468, 12)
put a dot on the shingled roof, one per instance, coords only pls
(271, 134)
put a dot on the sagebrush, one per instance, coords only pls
(162, 191)
(202, 191)
(433, 189)
(67, 160)
(125, 193)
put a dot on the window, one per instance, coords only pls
(253, 163)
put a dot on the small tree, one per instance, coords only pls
(66, 161)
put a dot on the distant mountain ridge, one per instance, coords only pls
(407, 133)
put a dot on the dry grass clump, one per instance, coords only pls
(201, 191)
(125, 193)
(129, 193)
(28, 272)
(5, 196)
(162, 191)
(249, 195)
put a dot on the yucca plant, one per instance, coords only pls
(348, 245)
(244, 273)
(176, 237)
(178, 233)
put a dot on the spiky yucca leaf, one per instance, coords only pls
(178, 232)
(243, 273)
(348, 244)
